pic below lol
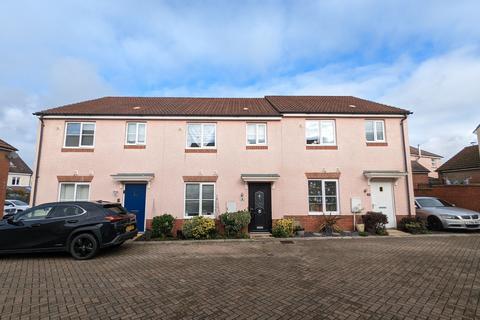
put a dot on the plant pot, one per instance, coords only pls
(360, 227)
(300, 233)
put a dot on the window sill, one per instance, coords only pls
(310, 147)
(78, 149)
(134, 146)
(253, 147)
(200, 150)
(323, 213)
(377, 144)
(205, 216)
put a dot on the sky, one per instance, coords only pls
(419, 55)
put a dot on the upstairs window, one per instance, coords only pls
(375, 130)
(15, 181)
(136, 133)
(320, 132)
(79, 135)
(256, 134)
(201, 135)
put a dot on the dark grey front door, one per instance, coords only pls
(260, 206)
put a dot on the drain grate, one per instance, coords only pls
(287, 242)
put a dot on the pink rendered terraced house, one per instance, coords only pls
(277, 156)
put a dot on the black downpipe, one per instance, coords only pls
(37, 166)
(406, 167)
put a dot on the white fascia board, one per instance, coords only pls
(158, 118)
(341, 115)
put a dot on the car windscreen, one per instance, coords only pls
(430, 202)
(115, 209)
(19, 203)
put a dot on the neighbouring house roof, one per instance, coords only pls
(331, 104)
(17, 165)
(6, 147)
(475, 131)
(418, 168)
(234, 107)
(414, 152)
(468, 158)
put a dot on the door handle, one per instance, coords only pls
(35, 225)
(72, 221)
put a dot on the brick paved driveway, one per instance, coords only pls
(435, 277)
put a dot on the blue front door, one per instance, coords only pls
(135, 202)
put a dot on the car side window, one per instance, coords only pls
(36, 213)
(66, 210)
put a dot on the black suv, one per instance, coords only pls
(81, 228)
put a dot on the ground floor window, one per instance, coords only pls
(74, 192)
(199, 199)
(323, 196)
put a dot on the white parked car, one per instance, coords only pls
(17, 204)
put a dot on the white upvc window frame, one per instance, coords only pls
(202, 125)
(324, 203)
(80, 146)
(75, 190)
(375, 132)
(15, 181)
(200, 199)
(257, 124)
(319, 122)
(136, 143)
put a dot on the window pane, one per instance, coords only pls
(131, 138)
(72, 141)
(141, 133)
(132, 128)
(312, 132)
(73, 128)
(252, 133)
(66, 211)
(207, 207)
(82, 192)
(207, 191)
(209, 135)
(87, 140)
(194, 135)
(315, 188)
(331, 203)
(39, 213)
(88, 128)
(328, 132)
(192, 207)
(261, 133)
(67, 192)
(379, 130)
(369, 132)
(315, 204)
(192, 191)
(330, 188)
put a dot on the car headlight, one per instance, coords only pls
(449, 216)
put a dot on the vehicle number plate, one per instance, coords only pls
(130, 228)
(473, 222)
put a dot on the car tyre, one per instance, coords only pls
(83, 246)
(433, 223)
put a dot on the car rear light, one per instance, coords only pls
(114, 218)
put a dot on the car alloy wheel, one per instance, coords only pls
(83, 246)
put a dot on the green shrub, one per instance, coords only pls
(199, 228)
(363, 234)
(162, 226)
(235, 222)
(283, 228)
(413, 225)
(375, 222)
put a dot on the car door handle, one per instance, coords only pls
(35, 225)
(72, 221)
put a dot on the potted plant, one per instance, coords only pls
(329, 225)
(360, 227)
(299, 230)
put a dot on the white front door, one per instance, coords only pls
(382, 200)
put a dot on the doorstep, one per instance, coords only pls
(260, 235)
